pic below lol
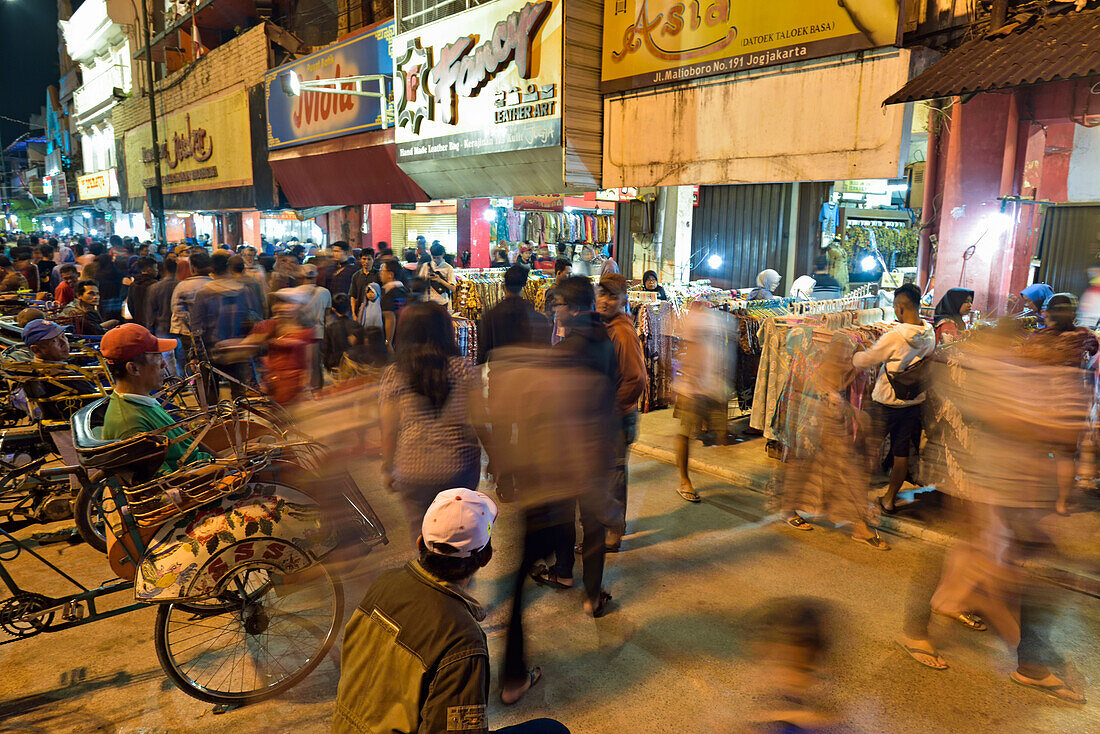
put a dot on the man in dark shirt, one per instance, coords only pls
(25, 266)
(826, 287)
(414, 657)
(137, 298)
(343, 269)
(159, 311)
(394, 296)
(363, 277)
(513, 320)
(84, 311)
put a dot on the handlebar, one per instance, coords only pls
(61, 471)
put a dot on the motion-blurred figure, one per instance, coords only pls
(549, 440)
(790, 639)
(700, 386)
(828, 471)
(1008, 469)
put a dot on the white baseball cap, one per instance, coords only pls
(462, 519)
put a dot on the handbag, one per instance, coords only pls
(908, 384)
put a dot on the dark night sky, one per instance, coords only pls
(28, 60)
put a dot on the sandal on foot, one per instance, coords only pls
(544, 576)
(932, 660)
(874, 542)
(798, 523)
(1055, 688)
(966, 619)
(533, 677)
(689, 494)
(599, 608)
(882, 508)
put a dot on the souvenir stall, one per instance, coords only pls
(787, 342)
(572, 228)
(477, 291)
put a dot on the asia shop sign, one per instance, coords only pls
(204, 146)
(98, 185)
(320, 115)
(651, 42)
(487, 80)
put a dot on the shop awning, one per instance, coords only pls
(1033, 51)
(347, 171)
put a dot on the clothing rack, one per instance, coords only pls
(833, 305)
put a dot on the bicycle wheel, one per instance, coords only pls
(89, 515)
(261, 636)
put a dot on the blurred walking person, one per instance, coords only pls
(429, 441)
(700, 388)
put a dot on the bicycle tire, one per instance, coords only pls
(83, 509)
(191, 687)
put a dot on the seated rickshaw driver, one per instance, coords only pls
(134, 359)
(47, 342)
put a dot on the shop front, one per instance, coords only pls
(488, 104)
(337, 150)
(214, 167)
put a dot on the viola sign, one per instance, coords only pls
(651, 42)
(311, 115)
(484, 81)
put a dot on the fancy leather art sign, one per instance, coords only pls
(483, 81)
(651, 42)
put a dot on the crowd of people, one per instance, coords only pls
(567, 382)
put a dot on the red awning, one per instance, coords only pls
(347, 171)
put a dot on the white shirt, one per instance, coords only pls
(897, 349)
(444, 271)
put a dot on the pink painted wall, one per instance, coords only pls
(473, 231)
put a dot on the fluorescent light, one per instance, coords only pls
(86, 215)
(490, 215)
(714, 261)
(292, 85)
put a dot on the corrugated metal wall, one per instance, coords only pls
(581, 103)
(1069, 244)
(747, 226)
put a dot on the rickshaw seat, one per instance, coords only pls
(143, 453)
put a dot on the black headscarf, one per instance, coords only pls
(950, 306)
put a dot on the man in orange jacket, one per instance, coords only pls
(630, 385)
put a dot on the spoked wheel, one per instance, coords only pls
(89, 513)
(262, 635)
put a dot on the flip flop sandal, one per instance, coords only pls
(1059, 690)
(544, 576)
(874, 542)
(913, 652)
(689, 495)
(966, 619)
(798, 523)
(882, 507)
(600, 607)
(534, 675)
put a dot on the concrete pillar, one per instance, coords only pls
(473, 231)
(974, 232)
(380, 226)
(676, 239)
(250, 229)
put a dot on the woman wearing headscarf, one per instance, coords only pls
(802, 289)
(650, 284)
(766, 283)
(948, 319)
(1035, 299)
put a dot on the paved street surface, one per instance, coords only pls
(670, 657)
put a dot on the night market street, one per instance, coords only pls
(669, 657)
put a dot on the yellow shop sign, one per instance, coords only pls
(651, 42)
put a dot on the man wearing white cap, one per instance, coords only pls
(414, 657)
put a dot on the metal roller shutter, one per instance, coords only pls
(1069, 244)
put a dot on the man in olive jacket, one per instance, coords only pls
(414, 658)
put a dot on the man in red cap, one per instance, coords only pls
(134, 359)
